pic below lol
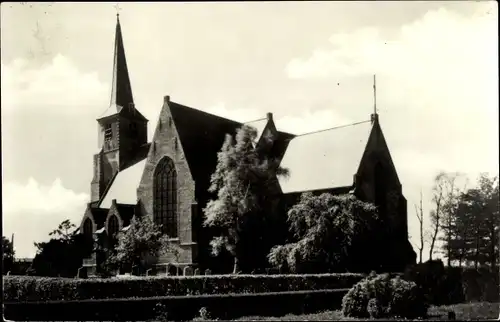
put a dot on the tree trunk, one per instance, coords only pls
(236, 267)
(493, 243)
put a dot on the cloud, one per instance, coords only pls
(57, 87)
(32, 211)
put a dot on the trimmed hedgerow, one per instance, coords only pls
(27, 288)
(380, 296)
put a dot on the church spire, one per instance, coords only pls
(121, 90)
(374, 116)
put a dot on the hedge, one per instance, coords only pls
(445, 285)
(178, 308)
(28, 288)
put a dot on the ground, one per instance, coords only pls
(464, 312)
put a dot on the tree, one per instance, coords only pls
(326, 230)
(63, 254)
(244, 181)
(141, 243)
(419, 212)
(477, 224)
(7, 255)
(64, 231)
(445, 196)
(491, 219)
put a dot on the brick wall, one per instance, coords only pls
(165, 143)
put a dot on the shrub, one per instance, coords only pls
(383, 296)
(26, 288)
(450, 285)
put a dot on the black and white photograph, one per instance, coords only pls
(250, 160)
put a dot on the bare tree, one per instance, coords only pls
(419, 212)
(435, 214)
(443, 216)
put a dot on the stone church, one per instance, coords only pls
(167, 177)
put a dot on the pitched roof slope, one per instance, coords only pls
(124, 186)
(202, 136)
(325, 159)
(99, 215)
(259, 125)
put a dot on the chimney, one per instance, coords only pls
(269, 116)
(166, 99)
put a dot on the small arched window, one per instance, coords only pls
(165, 197)
(113, 226)
(88, 229)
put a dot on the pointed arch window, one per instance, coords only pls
(88, 228)
(113, 226)
(165, 197)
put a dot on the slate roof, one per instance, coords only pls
(124, 187)
(201, 135)
(325, 159)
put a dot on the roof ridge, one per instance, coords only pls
(261, 119)
(204, 112)
(333, 128)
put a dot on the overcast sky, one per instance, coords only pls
(309, 63)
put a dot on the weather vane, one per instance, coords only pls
(117, 7)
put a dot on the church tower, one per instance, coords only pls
(122, 129)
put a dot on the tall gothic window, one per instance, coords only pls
(88, 229)
(113, 226)
(165, 197)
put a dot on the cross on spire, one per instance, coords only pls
(374, 116)
(118, 9)
(374, 94)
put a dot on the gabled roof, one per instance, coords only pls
(259, 125)
(325, 159)
(99, 215)
(126, 212)
(201, 135)
(124, 186)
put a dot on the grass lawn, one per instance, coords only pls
(472, 311)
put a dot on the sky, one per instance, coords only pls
(309, 63)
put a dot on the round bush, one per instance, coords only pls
(381, 296)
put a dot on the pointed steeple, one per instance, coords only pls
(374, 116)
(121, 90)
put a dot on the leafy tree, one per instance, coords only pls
(443, 227)
(328, 231)
(64, 231)
(244, 180)
(477, 224)
(472, 223)
(63, 254)
(141, 243)
(7, 255)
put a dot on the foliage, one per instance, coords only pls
(324, 229)
(7, 255)
(64, 231)
(27, 288)
(449, 285)
(244, 180)
(382, 296)
(140, 244)
(63, 254)
(464, 312)
(472, 224)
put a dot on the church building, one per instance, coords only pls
(167, 176)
